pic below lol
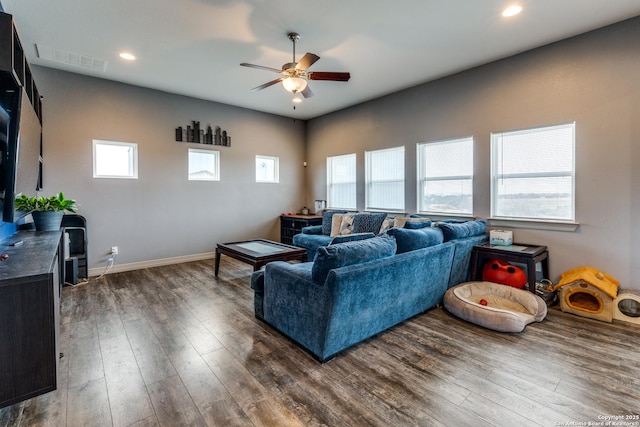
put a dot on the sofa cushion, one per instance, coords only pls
(327, 217)
(351, 238)
(342, 224)
(401, 221)
(460, 230)
(311, 242)
(344, 254)
(386, 224)
(368, 222)
(415, 225)
(410, 240)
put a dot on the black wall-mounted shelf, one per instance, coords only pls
(14, 68)
(195, 134)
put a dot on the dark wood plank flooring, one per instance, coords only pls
(176, 346)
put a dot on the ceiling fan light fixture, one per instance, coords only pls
(294, 84)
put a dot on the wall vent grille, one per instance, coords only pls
(71, 58)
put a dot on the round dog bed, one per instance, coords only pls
(507, 309)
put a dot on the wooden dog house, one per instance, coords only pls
(588, 292)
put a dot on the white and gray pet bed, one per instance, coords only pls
(507, 309)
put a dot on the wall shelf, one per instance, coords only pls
(197, 135)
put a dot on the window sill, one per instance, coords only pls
(534, 224)
(442, 216)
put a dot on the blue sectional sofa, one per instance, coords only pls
(354, 290)
(317, 236)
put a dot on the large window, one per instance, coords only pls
(267, 169)
(445, 177)
(341, 181)
(204, 165)
(384, 187)
(113, 159)
(533, 173)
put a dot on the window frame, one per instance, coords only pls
(132, 160)
(496, 176)
(369, 182)
(276, 174)
(330, 182)
(216, 174)
(422, 168)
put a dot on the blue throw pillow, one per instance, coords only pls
(368, 222)
(344, 254)
(460, 230)
(417, 225)
(410, 240)
(327, 217)
(351, 238)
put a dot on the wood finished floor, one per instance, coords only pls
(175, 346)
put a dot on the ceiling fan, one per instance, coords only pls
(295, 75)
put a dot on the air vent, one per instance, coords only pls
(71, 58)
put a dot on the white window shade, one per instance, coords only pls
(445, 177)
(385, 179)
(533, 173)
(341, 181)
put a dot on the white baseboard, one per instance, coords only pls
(117, 268)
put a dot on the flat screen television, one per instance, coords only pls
(20, 142)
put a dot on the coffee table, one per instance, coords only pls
(259, 252)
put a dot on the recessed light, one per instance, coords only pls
(127, 56)
(512, 11)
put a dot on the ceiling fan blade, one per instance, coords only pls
(260, 67)
(329, 75)
(306, 61)
(266, 85)
(307, 92)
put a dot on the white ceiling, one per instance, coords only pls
(194, 47)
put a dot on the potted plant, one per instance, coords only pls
(47, 212)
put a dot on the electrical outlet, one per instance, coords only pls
(114, 250)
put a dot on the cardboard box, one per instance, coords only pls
(501, 237)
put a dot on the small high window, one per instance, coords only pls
(267, 169)
(113, 159)
(204, 165)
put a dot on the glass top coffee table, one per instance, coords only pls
(259, 252)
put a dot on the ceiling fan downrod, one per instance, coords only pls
(294, 37)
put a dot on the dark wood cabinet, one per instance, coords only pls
(14, 68)
(29, 315)
(290, 225)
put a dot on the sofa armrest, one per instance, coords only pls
(312, 229)
(257, 284)
(295, 305)
(257, 281)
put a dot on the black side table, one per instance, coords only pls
(290, 225)
(530, 255)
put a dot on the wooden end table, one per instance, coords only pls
(259, 252)
(530, 255)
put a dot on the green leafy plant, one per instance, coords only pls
(56, 203)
